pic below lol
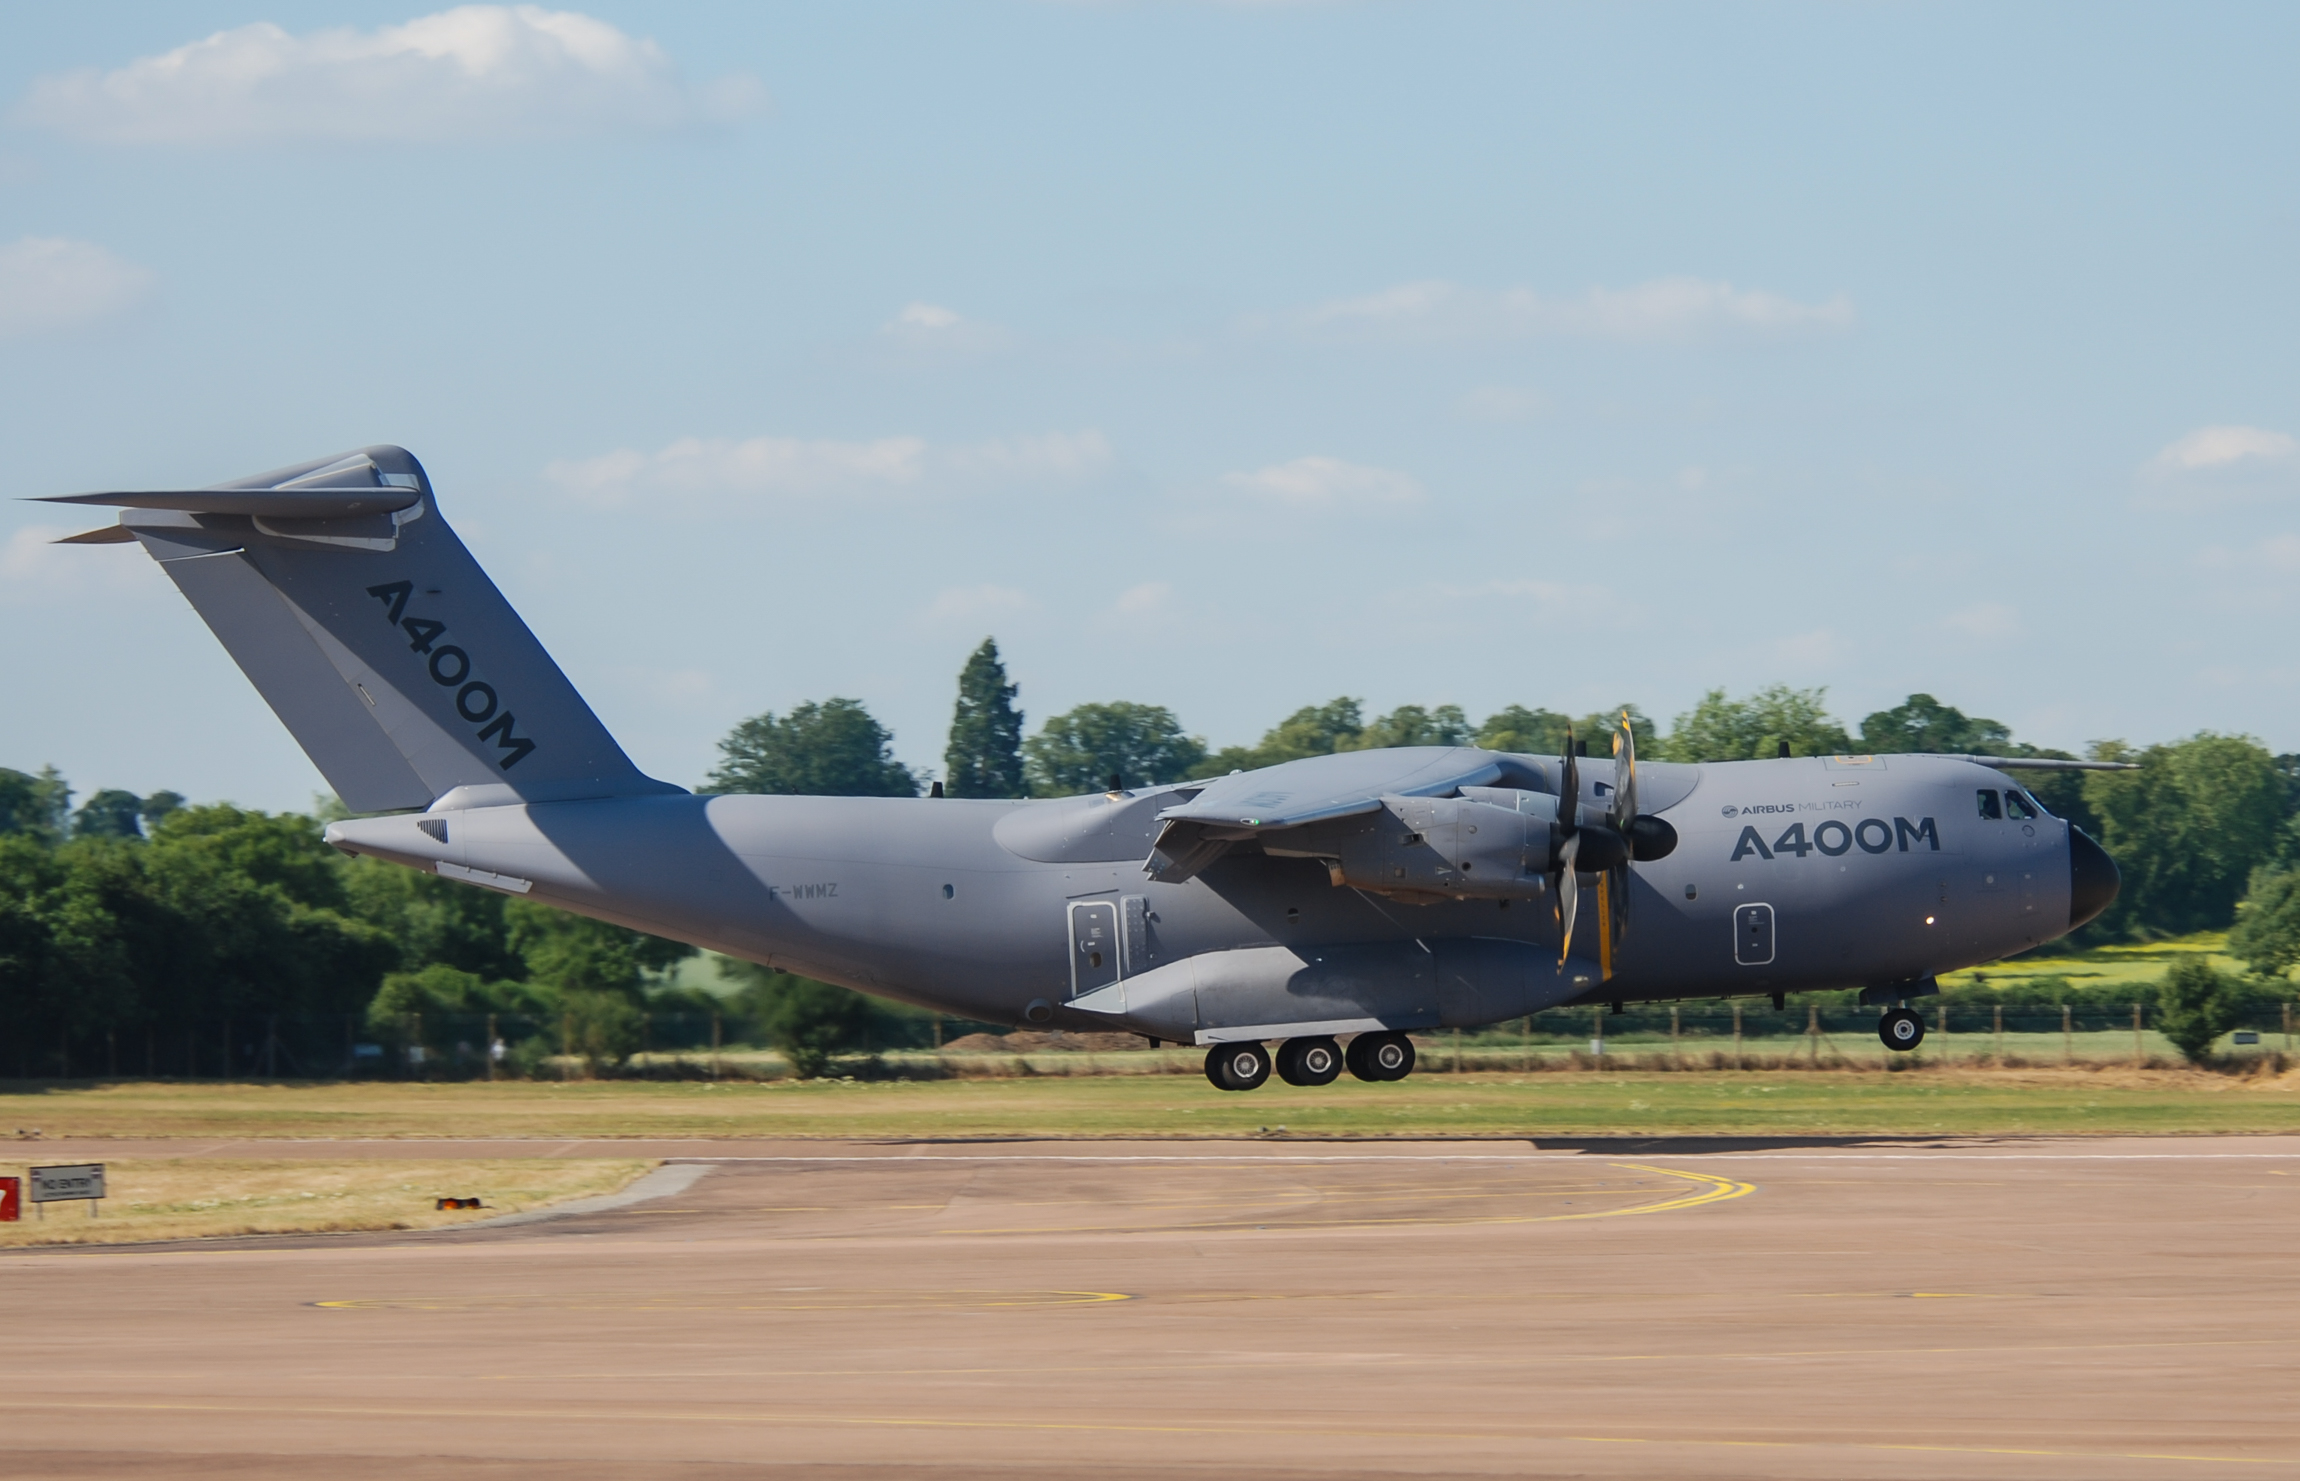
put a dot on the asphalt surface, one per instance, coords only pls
(2094, 1309)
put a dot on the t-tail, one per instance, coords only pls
(374, 636)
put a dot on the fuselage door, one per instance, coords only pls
(1753, 935)
(1093, 945)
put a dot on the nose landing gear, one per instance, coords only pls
(1901, 1028)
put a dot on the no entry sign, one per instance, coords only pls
(62, 1184)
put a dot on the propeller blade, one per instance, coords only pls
(1605, 926)
(1569, 790)
(1568, 896)
(1624, 775)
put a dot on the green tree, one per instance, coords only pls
(984, 758)
(1411, 725)
(261, 918)
(1525, 732)
(2195, 1004)
(1080, 751)
(159, 805)
(831, 749)
(1721, 729)
(575, 954)
(73, 947)
(434, 920)
(1313, 730)
(808, 1021)
(2186, 830)
(439, 991)
(2267, 933)
(1542, 732)
(110, 813)
(1923, 723)
(40, 806)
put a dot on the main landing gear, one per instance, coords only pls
(1313, 1061)
(1901, 1028)
(1309, 1061)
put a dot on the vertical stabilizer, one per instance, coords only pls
(375, 637)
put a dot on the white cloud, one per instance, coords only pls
(2220, 466)
(933, 334)
(975, 604)
(925, 316)
(2279, 554)
(2227, 447)
(1984, 620)
(1820, 648)
(1145, 600)
(55, 283)
(473, 72)
(1049, 455)
(726, 473)
(1663, 309)
(1324, 483)
(1506, 404)
(34, 569)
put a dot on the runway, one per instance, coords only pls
(1273, 1310)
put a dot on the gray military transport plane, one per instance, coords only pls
(1347, 898)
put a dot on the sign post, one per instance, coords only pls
(11, 1200)
(82, 1180)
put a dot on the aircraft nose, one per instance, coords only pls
(2092, 878)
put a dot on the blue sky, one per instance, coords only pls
(1226, 357)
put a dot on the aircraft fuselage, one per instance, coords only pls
(1788, 876)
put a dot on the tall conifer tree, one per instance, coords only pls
(985, 755)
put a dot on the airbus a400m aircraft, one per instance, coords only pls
(1267, 915)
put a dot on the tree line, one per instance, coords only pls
(147, 934)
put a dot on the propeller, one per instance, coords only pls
(1604, 849)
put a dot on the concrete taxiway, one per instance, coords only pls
(2003, 1309)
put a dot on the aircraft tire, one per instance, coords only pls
(1313, 1061)
(1381, 1057)
(1237, 1066)
(1902, 1029)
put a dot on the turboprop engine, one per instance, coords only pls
(1479, 846)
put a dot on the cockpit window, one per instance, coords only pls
(2017, 803)
(1989, 805)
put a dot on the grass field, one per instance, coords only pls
(1921, 1101)
(172, 1198)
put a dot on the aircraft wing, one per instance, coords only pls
(1294, 794)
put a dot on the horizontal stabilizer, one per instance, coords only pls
(108, 535)
(267, 503)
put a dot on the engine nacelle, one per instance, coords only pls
(1425, 849)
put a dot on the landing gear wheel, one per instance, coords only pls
(1309, 1061)
(1237, 1066)
(1901, 1028)
(1379, 1057)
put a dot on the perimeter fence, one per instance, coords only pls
(1816, 1032)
